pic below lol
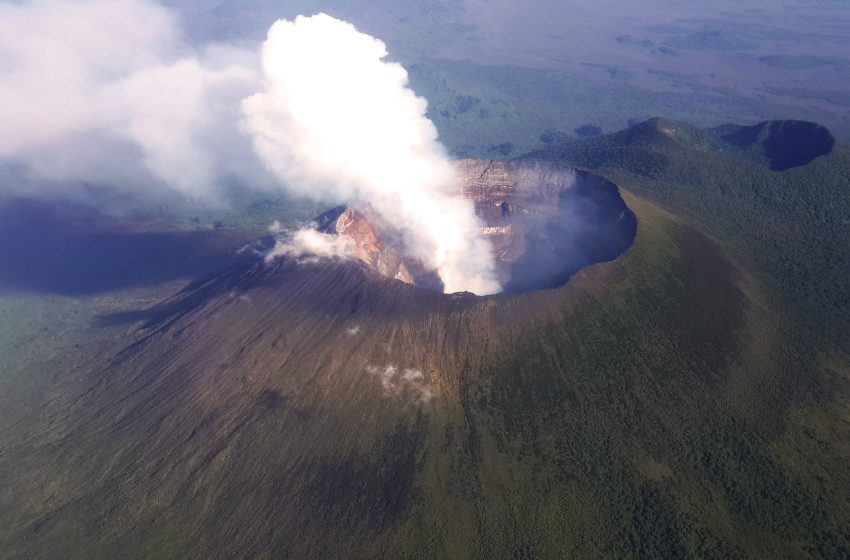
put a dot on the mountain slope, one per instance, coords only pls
(326, 411)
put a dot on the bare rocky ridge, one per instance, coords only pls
(544, 223)
(378, 251)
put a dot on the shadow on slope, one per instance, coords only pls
(70, 249)
(785, 144)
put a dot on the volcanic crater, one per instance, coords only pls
(544, 222)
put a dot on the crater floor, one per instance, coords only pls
(545, 223)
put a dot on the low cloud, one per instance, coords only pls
(402, 382)
(275, 228)
(239, 297)
(310, 245)
(107, 92)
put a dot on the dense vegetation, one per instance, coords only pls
(793, 224)
(649, 428)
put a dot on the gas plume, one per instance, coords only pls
(108, 92)
(307, 245)
(338, 122)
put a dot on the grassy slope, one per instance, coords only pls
(40, 334)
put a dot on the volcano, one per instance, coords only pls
(617, 396)
(252, 376)
(544, 224)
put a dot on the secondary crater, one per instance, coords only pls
(544, 222)
(784, 145)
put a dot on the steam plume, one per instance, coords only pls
(107, 92)
(307, 244)
(338, 122)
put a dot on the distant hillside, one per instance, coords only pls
(777, 192)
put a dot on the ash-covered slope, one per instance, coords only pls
(544, 224)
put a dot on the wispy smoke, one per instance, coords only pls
(275, 228)
(308, 244)
(107, 92)
(338, 122)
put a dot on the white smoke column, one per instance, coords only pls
(338, 122)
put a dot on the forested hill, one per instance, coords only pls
(777, 193)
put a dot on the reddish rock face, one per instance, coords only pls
(382, 253)
(543, 222)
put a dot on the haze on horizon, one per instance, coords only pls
(704, 62)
